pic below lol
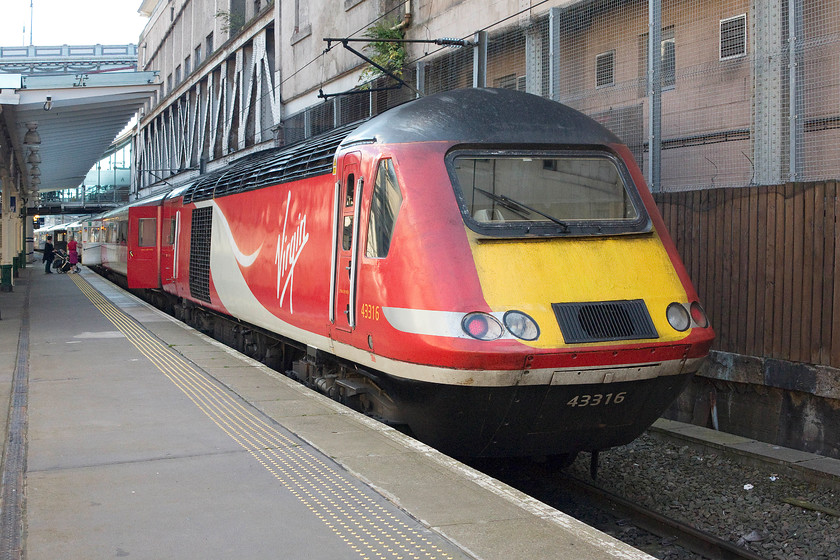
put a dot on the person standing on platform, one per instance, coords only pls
(73, 255)
(49, 254)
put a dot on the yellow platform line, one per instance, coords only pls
(361, 522)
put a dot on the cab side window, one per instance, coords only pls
(384, 207)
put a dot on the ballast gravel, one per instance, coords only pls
(774, 515)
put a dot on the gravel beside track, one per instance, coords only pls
(771, 514)
(774, 515)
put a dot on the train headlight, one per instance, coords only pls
(521, 325)
(678, 316)
(482, 326)
(698, 315)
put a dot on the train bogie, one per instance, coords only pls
(482, 265)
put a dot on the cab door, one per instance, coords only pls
(142, 245)
(345, 243)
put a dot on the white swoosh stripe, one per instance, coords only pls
(243, 260)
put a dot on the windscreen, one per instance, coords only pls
(547, 193)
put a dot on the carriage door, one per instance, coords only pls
(169, 227)
(345, 240)
(142, 245)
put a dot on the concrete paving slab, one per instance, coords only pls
(200, 352)
(250, 383)
(209, 506)
(430, 491)
(205, 358)
(519, 538)
(173, 333)
(286, 409)
(341, 437)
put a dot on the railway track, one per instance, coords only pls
(644, 528)
(677, 533)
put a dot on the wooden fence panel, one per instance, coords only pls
(830, 271)
(766, 264)
(723, 278)
(835, 323)
(716, 235)
(814, 229)
(784, 222)
(771, 198)
(755, 277)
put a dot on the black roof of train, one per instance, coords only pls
(465, 116)
(480, 115)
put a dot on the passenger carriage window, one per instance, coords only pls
(519, 193)
(147, 232)
(122, 226)
(384, 207)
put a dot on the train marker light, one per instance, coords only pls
(678, 316)
(698, 315)
(521, 325)
(481, 326)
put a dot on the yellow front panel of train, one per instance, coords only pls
(530, 275)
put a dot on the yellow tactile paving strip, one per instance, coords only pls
(365, 525)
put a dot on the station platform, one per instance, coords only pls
(130, 434)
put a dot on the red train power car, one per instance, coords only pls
(484, 266)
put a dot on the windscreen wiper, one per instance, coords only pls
(506, 202)
(512, 204)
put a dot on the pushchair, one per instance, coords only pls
(61, 263)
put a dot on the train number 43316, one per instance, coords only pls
(598, 399)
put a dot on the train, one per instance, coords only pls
(86, 231)
(485, 268)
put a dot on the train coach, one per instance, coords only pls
(483, 266)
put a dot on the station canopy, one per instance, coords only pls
(68, 121)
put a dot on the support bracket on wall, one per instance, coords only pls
(345, 42)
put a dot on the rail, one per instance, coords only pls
(690, 538)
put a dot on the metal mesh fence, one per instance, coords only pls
(750, 91)
(817, 82)
(448, 70)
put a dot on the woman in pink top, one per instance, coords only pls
(73, 254)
